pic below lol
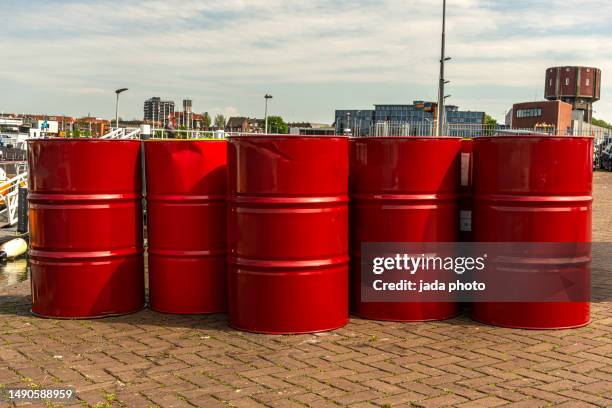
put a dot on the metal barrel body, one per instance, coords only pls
(532, 189)
(85, 210)
(288, 233)
(186, 225)
(403, 189)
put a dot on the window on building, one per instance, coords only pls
(588, 82)
(566, 81)
(550, 82)
(529, 113)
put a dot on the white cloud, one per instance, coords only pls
(219, 52)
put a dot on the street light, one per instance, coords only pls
(118, 91)
(266, 96)
(442, 82)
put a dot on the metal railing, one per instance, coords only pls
(123, 133)
(383, 129)
(190, 134)
(9, 194)
(398, 129)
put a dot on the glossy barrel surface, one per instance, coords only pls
(533, 189)
(86, 227)
(186, 225)
(403, 189)
(288, 233)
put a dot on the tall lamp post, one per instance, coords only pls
(266, 96)
(443, 59)
(118, 91)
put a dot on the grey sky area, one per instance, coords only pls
(67, 57)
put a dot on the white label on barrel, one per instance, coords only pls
(465, 221)
(465, 168)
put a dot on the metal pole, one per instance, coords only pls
(266, 96)
(441, 110)
(118, 91)
(117, 112)
(266, 117)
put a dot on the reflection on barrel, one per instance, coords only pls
(186, 225)
(534, 189)
(403, 189)
(86, 227)
(288, 233)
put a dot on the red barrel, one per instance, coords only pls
(288, 233)
(403, 189)
(86, 227)
(186, 225)
(532, 189)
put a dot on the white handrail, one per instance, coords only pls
(117, 133)
(133, 134)
(10, 196)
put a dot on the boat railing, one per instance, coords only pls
(9, 194)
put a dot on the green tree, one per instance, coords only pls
(490, 124)
(276, 124)
(490, 120)
(220, 121)
(206, 121)
(601, 123)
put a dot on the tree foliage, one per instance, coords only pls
(490, 120)
(601, 123)
(206, 121)
(220, 121)
(490, 125)
(276, 124)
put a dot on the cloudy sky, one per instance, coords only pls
(314, 56)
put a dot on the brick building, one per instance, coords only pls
(243, 124)
(544, 115)
(578, 86)
(91, 126)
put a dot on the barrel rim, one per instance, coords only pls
(276, 136)
(533, 136)
(173, 141)
(81, 139)
(428, 138)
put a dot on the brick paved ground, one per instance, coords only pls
(148, 359)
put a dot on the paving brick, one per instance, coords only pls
(148, 358)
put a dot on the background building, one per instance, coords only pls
(310, 129)
(91, 126)
(359, 122)
(419, 116)
(578, 86)
(156, 110)
(185, 119)
(241, 124)
(545, 115)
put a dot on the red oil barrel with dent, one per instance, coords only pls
(85, 209)
(186, 225)
(403, 189)
(288, 233)
(532, 189)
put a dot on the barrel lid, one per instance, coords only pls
(405, 137)
(533, 136)
(284, 136)
(81, 139)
